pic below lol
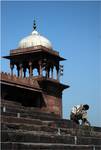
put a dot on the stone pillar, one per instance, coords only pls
(52, 72)
(40, 68)
(57, 71)
(11, 66)
(18, 69)
(48, 75)
(30, 69)
(46, 72)
(21, 70)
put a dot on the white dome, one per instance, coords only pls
(35, 39)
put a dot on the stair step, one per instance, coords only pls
(45, 128)
(10, 103)
(34, 137)
(6, 119)
(53, 121)
(27, 112)
(46, 146)
(28, 127)
(59, 123)
(15, 136)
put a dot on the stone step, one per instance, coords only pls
(32, 112)
(30, 137)
(6, 119)
(52, 130)
(28, 127)
(32, 109)
(52, 122)
(13, 136)
(46, 146)
(10, 103)
(47, 126)
(17, 106)
(48, 118)
(27, 112)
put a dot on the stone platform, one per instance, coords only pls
(30, 129)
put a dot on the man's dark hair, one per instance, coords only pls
(86, 107)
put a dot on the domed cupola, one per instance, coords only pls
(35, 39)
(38, 71)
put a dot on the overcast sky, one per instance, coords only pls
(74, 29)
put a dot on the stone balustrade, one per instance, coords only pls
(18, 80)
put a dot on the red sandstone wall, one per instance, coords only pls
(54, 104)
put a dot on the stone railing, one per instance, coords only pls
(18, 80)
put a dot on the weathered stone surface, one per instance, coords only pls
(35, 130)
(34, 146)
(39, 125)
(13, 109)
(39, 137)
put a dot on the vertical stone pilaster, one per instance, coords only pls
(40, 68)
(30, 69)
(57, 71)
(21, 70)
(52, 72)
(18, 70)
(48, 72)
(12, 67)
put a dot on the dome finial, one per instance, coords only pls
(34, 24)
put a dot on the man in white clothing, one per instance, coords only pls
(78, 113)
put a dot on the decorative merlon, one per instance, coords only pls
(18, 80)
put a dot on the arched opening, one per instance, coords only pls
(35, 72)
(44, 72)
(54, 73)
(15, 70)
(27, 72)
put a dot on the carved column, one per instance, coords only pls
(57, 72)
(52, 72)
(11, 66)
(18, 69)
(21, 70)
(48, 74)
(30, 69)
(40, 68)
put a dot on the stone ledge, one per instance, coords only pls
(15, 136)
(45, 146)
